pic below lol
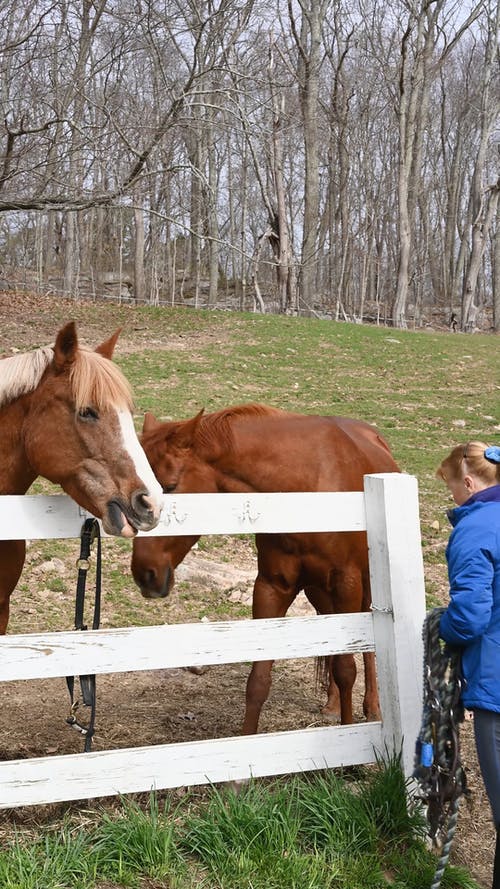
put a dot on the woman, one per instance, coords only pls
(472, 618)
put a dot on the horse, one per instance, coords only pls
(257, 448)
(65, 414)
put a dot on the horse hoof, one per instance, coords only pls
(331, 715)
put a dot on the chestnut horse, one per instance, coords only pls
(65, 414)
(258, 448)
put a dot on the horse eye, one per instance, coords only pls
(88, 413)
(169, 488)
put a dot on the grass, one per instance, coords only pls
(426, 391)
(414, 386)
(318, 831)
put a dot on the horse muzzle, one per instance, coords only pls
(126, 519)
(151, 585)
(145, 510)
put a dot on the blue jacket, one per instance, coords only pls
(472, 619)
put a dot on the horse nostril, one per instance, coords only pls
(150, 584)
(141, 502)
(147, 582)
(149, 579)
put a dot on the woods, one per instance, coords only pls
(314, 157)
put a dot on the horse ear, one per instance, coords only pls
(150, 422)
(186, 430)
(108, 346)
(66, 346)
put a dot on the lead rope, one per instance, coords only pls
(90, 532)
(438, 769)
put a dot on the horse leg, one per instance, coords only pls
(268, 601)
(371, 703)
(332, 706)
(257, 693)
(12, 555)
(321, 601)
(343, 669)
(346, 592)
(371, 706)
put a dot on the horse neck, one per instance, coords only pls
(16, 474)
(237, 471)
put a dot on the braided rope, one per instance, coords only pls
(445, 853)
(438, 769)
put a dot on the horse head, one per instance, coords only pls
(78, 432)
(176, 459)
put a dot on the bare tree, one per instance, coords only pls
(418, 63)
(496, 273)
(191, 145)
(310, 55)
(483, 201)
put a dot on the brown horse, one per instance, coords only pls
(258, 448)
(65, 414)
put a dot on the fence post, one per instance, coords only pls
(398, 602)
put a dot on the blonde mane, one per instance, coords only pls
(99, 382)
(22, 373)
(94, 379)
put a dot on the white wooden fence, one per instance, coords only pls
(387, 510)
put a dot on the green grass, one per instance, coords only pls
(414, 386)
(317, 831)
(426, 392)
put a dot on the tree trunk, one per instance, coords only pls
(213, 226)
(483, 205)
(283, 250)
(279, 234)
(409, 83)
(139, 275)
(480, 229)
(496, 274)
(309, 48)
(70, 254)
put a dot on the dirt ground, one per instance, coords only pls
(136, 709)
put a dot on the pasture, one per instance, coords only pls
(425, 391)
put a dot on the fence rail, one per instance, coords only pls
(387, 510)
(42, 518)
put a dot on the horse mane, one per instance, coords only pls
(94, 379)
(22, 373)
(216, 429)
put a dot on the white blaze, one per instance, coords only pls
(133, 447)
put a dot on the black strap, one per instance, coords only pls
(90, 532)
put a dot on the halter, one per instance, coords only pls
(90, 532)
(438, 769)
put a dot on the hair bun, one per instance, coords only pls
(493, 454)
